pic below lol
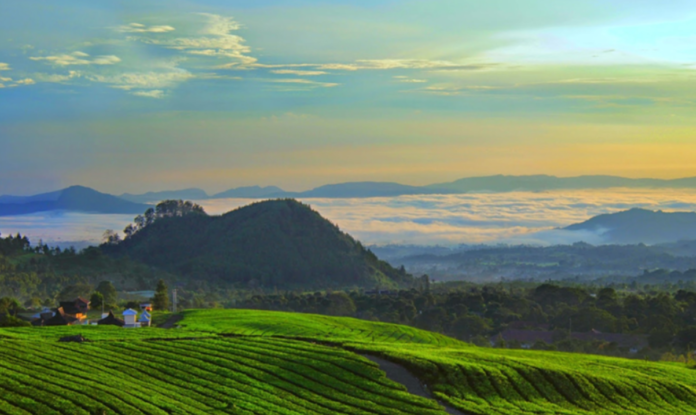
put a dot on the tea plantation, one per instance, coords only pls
(258, 362)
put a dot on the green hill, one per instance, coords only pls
(307, 326)
(271, 244)
(251, 362)
(480, 380)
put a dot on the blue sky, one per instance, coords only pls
(150, 95)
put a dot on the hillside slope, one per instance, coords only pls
(250, 362)
(271, 244)
(481, 380)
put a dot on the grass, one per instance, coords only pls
(481, 380)
(94, 333)
(259, 362)
(491, 381)
(237, 376)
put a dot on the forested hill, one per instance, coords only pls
(272, 244)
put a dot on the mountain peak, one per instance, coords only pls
(274, 243)
(75, 199)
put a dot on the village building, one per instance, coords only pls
(129, 317)
(69, 313)
(77, 307)
(145, 319)
(61, 318)
(111, 320)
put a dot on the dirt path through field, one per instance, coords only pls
(400, 374)
(171, 321)
(394, 371)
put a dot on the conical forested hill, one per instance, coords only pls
(271, 244)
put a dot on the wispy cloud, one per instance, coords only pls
(298, 72)
(457, 90)
(78, 58)
(592, 81)
(386, 64)
(407, 80)
(25, 81)
(155, 93)
(144, 80)
(215, 40)
(141, 28)
(57, 78)
(4, 66)
(305, 82)
(213, 44)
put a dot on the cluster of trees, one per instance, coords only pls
(478, 313)
(105, 295)
(36, 275)
(164, 209)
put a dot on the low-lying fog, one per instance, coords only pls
(519, 217)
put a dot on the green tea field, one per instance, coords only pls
(258, 362)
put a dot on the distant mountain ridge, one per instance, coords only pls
(72, 199)
(496, 184)
(641, 226)
(502, 183)
(17, 205)
(152, 197)
(252, 192)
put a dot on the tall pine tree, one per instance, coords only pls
(161, 299)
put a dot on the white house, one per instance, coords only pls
(129, 317)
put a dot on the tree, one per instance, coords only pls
(340, 304)
(110, 237)
(12, 321)
(108, 292)
(425, 283)
(96, 300)
(161, 299)
(71, 292)
(130, 230)
(470, 326)
(9, 306)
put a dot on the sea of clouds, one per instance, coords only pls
(516, 217)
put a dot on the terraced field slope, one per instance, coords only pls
(484, 381)
(237, 376)
(307, 326)
(253, 362)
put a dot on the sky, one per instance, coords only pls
(133, 96)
